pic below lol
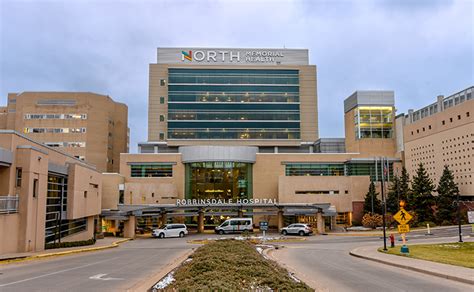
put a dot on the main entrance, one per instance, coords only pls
(218, 180)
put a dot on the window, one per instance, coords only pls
(121, 197)
(373, 122)
(162, 118)
(162, 82)
(467, 114)
(18, 177)
(451, 120)
(151, 169)
(35, 188)
(314, 169)
(162, 99)
(85, 194)
(459, 117)
(443, 122)
(162, 136)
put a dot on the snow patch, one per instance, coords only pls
(164, 282)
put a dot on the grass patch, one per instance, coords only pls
(229, 265)
(456, 253)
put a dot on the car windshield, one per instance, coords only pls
(162, 227)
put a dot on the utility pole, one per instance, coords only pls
(384, 204)
(459, 217)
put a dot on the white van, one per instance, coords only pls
(170, 230)
(235, 225)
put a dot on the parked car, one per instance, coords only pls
(235, 225)
(142, 230)
(297, 228)
(170, 230)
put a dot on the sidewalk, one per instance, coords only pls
(460, 274)
(107, 242)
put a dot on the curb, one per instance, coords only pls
(432, 273)
(62, 253)
(148, 283)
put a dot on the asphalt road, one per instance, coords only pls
(109, 270)
(323, 259)
(324, 262)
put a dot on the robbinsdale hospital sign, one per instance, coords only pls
(216, 202)
(217, 56)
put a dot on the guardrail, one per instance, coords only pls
(9, 204)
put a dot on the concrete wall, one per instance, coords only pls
(9, 232)
(430, 142)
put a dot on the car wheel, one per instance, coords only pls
(181, 234)
(284, 232)
(162, 235)
(301, 233)
(221, 232)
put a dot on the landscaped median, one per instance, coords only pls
(457, 253)
(230, 265)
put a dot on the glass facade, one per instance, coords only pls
(233, 104)
(313, 169)
(373, 122)
(339, 169)
(56, 206)
(151, 170)
(218, 180)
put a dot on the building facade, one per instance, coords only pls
(233, 132)
(45, 195)
(88, 126)
(442, 134)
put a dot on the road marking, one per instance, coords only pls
(99, 277)
(54, 273)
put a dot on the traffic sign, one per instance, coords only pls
(470, 217)
(263, 225)
(402, 216)
(403, 228)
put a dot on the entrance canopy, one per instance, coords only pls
(210, 209)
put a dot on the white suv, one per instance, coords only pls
(170, 230)
(297, 228)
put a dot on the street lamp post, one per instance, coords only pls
(384, 204)
(459, 217)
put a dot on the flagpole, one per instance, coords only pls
(383, 202)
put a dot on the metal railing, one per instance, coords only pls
(9, 204)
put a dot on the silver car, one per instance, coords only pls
(297, 228)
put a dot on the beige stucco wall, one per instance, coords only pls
(356, 187)
(104, 116)
(9, 232)
(162, 190)
(80, 180)
(34, 158)
(110, 189)
(430, 142)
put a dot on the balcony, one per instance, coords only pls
(8, 204)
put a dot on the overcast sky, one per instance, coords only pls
(419, 49)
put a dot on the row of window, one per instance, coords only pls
(151, 170)
(55, 116)
(54, 130)
(227, 133)
(236, 115)
(448, 102)
(320, 192)
(66, 144)
(284, 97)
(443, 122)
(340, 169)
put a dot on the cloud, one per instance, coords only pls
(420, 49)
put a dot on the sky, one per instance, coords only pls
(418, 48)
